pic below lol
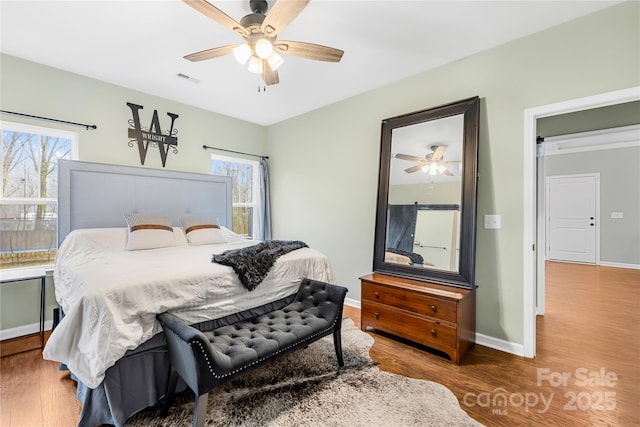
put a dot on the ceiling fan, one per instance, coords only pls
(431, 164)
(260, 30)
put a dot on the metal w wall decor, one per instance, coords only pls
(152, 136)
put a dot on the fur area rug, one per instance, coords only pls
(306, 388)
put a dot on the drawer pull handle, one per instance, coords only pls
(377, 315)
(434, 332)
(434, 308)
(377, 295)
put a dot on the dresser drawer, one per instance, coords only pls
(407, 325)
(414, 302)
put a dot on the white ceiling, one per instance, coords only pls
(417, 140)
(141, 44)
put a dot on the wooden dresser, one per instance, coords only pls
(437, 316)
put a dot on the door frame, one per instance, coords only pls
(547, 206)
(533, 259)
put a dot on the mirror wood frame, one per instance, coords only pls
(465, 276)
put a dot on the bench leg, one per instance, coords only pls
(337, 342)
(168, 396)
(200, 410)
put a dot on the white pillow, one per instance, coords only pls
(202, 231)
(148, 232)
(105, 238)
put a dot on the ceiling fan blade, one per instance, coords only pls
(410, 158)
(211, 53)
(269, 76)
(281, 15)
(413, 169)
(447, 172)
(309, 50)
(217, 15)
(439, 152)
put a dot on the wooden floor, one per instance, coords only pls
(586, 372)
(589, 335)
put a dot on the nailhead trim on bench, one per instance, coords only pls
(263, 358)
(185, 342)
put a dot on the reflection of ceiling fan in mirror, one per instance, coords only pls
(259, 30)
(432, 164)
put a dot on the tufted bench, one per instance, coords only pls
(207, 359)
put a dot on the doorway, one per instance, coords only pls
(533, 266)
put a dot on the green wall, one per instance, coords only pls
(20, 302)
(440, 193)
(44, 91)
(39, 90)
(330, 201)
(612, 116)
(324, 164)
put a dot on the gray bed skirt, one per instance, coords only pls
(139, 380)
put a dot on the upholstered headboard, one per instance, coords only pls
(94, 195)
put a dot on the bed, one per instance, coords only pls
(110, 290)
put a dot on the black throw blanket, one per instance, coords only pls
(252, 264)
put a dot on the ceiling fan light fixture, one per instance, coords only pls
(259, 32)
(275, 60)
(264, 48)
(255, 65)
(441, 169)
(433, 169)
(242, 53)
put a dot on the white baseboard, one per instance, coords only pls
(19, 331)
(352, 302)
(498, 344)
(619, 265)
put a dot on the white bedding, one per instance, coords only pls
(110, 296)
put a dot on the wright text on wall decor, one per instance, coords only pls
(152, 135)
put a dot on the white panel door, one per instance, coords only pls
(572, 218)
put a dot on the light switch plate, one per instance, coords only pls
(617, 215)
(492, 222)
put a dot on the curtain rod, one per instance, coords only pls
(50, 119)
(206, 147)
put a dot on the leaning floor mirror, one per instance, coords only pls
(426, 213)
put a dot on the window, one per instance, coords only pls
(28, 204)
(245, 175)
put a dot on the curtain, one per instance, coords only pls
(401, 227)
(264, 206)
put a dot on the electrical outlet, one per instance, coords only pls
(617, 215)
(492, 222)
